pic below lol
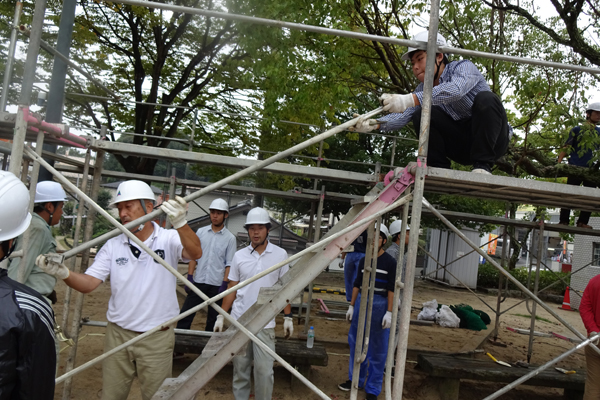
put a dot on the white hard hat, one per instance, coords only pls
(422, 37)
(219, 204)
(257, 215)
(396, 227)
(133, 190)
(14, 213)
(593, 107)
(383, 229)
(49, 191)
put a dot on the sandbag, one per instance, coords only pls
(429, 311)
(445, 317)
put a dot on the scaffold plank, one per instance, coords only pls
(234, 162)
(516, 190)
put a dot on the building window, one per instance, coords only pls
(596, 254)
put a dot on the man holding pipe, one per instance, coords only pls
(143, 292)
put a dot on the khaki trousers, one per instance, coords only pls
(263, 369)
(151, 360)
(592, 378)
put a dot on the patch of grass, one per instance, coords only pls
(536, 318)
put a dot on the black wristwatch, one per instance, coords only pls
(290, 315)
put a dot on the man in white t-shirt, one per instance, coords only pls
(143, 292)
(246, 263)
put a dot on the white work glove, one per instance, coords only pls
(175, 210)
(386, 323)
(592, 334)
(364, 125)
(349, 313)
(396, 103)
(52, 268)
(218, 324)
(288, 327)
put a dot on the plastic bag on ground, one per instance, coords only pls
(446, 318)
(429, 311)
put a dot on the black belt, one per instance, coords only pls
(161, 330)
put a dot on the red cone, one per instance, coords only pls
(566, 305)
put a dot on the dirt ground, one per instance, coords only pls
(333, 334)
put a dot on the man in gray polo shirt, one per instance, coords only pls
(212, 269)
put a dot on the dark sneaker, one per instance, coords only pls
(346, 386)
(482, 168)
(370, 397)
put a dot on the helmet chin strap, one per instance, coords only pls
(7, 250)
(437, 71)
(139, 228)
(143, 203)
(261, 243)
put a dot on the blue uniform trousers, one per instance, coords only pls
(350, 271)
(371, 370)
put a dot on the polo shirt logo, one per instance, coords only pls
(122, 261)
(160, 253)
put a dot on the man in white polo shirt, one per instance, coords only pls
(143, 292)
(210, 273)
(248, 262)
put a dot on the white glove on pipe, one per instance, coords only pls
(218, 324)
(386, 323)
(175, 210)
(364, 125)
(349, 313)
(288, 327)
(52, 268)
(397, 103)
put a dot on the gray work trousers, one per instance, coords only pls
(263, 369)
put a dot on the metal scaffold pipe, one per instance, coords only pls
(27, 87)
(421, 170)
(504, 272)
(541, 368)
(207, 301)
(393, 341)
(162, 262)
(225, 181)
(353, 35)
(11, 55)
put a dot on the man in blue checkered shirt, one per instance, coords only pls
(468, 121)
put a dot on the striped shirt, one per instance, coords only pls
(385, 276)
(459, 83)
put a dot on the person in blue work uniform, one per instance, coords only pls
(468, 121)
(351, 263)
(372, 369)
(583, 141)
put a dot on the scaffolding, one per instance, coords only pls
(408, 185)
